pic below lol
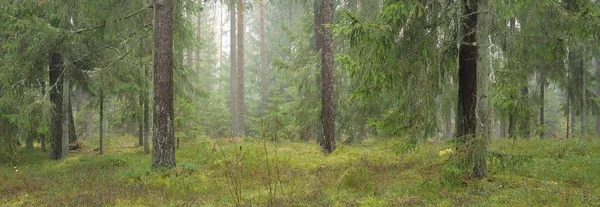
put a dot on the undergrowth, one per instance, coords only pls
(256, 173)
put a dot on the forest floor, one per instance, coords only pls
(532, 172)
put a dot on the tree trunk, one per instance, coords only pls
(542, 102)
(264, 82)
(146, 124)
(583, 98)
(66, 114)
(141, 124)
(163, 139)
(598, 93)
(524, 122)
(467, 76)
(72, 132)
(327, 102)
(233, 69)
(42, 135)
(483, 129)
(467, 92)
(199, 36)
(57, 150)
(241, 108)
(89, 122)
(101, 124)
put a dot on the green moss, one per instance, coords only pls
(557, 172)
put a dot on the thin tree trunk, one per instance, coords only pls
(583, 98)
(327, 102)
(146, 125)
(598, 93)
(484, 117)
(66, 114)
(42, 135)
(163, 139)
(524, 122)
(101, 124)
(72, 132)
(56, 97)
(89, 121)
(199, 36)
(542, 102)
(141, 123)
(362, 125)
(233, 69)
(263, 59)
(241, 108)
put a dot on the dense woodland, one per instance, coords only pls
(299, 102)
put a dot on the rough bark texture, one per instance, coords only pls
(327, 102)
(163, 139)
(467, 75)
(56, 97)
(101, 124)
(483, 128)
(241, 108)
(264, 82)
(233, 69)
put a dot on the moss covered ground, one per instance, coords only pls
(532, 172)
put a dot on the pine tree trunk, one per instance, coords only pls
(163, 139)
(264, 82)
(72, 132)
(66, 114)
(141, 123)
(542, 102)
(583, 99)
(483, 128)
(56, 97)
(146, 125)
(598, 93)
(101, 124)
(198, 36)
(327, 102)
(42, 135)
(467, 76)
(233, 69)
(89, 122)
(241, 108)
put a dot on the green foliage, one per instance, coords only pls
(369, 175)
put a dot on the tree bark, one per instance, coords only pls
(198, 36)
(42, 135)
(57, 150)
(327, 102)
(598, 93)
(72, 132)
(163, 139)
(483, 129)
(141, 123)
(241, 108)
(233, 69)
(467, 76)
(89, 121)
(101, 124)
(583, 98)
(264, 82)
(542, 102)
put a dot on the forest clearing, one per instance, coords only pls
(299, 103)
(374, 173)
